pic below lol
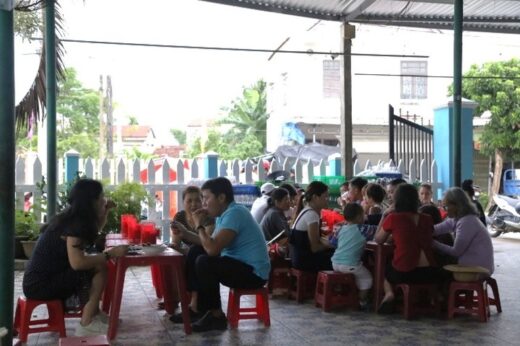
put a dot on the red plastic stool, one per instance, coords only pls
(335, 290)
(98, 340)
(23, 324)
(279, 277)
(302, 284)
(496, 296)
(419, 298)
(474, 305)
(260, 311)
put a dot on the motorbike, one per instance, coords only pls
(504, 216)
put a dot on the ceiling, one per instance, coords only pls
(500, 16)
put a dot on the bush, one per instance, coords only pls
(26, 225)
(128, 198)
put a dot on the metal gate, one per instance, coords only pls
(408, 141)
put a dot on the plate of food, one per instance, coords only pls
(153, 249)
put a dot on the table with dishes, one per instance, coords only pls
(170, 264)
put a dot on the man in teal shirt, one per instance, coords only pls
(236, 252)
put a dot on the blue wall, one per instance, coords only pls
(442, 136)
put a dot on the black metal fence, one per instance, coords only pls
(409, 140)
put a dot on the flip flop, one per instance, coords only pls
(386, 307)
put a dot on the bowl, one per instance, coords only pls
(466, 273)
(154, 249)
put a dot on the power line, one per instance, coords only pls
(232, 49)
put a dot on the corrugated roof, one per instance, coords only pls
(502, 16)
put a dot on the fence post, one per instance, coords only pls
(210, 164)
(71, 165)
(334, 164)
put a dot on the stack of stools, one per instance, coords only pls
(98, 340)
(260, 311)
(336, 290)
(419, 298)
(24, 325)
(476, 300)
(302, 284)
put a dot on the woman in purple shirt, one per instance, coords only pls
(472, 246)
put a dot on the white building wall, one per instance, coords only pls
(297, 80)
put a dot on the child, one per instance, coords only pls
(351, 244)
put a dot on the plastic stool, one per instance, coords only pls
(480, 302)
(97, 340)
(302, 284)
(260, 311)
(279, 279)
(413, 294)
(335, 290)
(496, 296)
(22, 320)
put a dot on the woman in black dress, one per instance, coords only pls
(59, 267)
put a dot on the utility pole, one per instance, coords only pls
(110, 118)
(102, 129)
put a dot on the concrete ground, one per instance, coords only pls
(304, 324)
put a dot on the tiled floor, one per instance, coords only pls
(304, 324)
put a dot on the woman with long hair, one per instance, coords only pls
(472, 245)
(412, 234)
(307, 249)
(60, 268)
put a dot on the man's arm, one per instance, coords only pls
(214, 245)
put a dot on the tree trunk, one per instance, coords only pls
(497, 177)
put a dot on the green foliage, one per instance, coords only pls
(228, 146)
(27, 24)
(248, 114)
(63, 195)
(501, 96)
(243, 133)
(132, 120)
(78, 117)
(179, 135)
(483, 198)
(128, 198)
(136, 154)
(25, 224)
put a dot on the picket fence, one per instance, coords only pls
(169, 176)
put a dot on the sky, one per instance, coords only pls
(163, 87)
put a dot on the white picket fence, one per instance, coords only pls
(117, 171)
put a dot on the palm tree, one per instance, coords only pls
(248, 114)
(34, 101)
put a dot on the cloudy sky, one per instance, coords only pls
(165, 87)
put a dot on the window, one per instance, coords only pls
(413, 87)
(331, 78)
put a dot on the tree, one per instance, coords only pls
(78, 117)
(248, 114)
(228, 146)
(179, 135)
(496, 88)
(132, 120)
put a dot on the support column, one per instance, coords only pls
(348, 32)
(7, 155)
(50, 86)
(457, 90)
